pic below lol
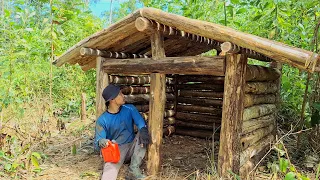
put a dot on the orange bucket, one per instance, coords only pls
(111, 153)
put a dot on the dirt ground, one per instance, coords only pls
(183, 157)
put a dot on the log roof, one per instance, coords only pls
(183, 37)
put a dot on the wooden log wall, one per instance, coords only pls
(259, 116)
(136, 89)
(199, 105)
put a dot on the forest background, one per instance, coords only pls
(34, 32)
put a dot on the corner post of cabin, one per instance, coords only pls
(102, 80)
(157, 97)
(233, 106)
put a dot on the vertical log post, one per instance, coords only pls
(156, 106)
(233, 106)
(102, 82)
(83, 107)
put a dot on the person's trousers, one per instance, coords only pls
(131, 151)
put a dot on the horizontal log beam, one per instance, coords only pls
(275, 50)
(199, 109)
(166, 65)
(198, 125)
(258, 111)
(201, 102)
(197, 133)
(168, 131)
(200, 78)
(261, 87)
(145, 107)
(197, 117)
(134, 80)
(108, 54)
(254, 136)
(253, 150)
(253, 99)
(228, 47)
(201, 86)
(260, 73)
(127, 90)
(254, 124)
(206, 94)
(143, 98)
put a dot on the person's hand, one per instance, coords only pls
(103, 143)
(144, 138)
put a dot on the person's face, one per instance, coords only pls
(119, 99)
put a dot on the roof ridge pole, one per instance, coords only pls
(157, 96)
(232, 112)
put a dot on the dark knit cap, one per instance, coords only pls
(110, 92)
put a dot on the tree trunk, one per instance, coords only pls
(232, 112)
(83, 107)
(102, 82)
(157, 104)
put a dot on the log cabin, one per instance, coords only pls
(157, 58)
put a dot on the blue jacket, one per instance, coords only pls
(118, 126)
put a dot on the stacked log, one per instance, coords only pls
(199, 105)
(258, 128)
(136, 90)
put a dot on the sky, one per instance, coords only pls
(103, 5)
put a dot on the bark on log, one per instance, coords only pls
(258, 111)
(143, 98)
(201, 102)
(102, 82)
(196, 125)
(157, 104)
(134, 80)
(252, 99)
(276, 50)
(231, 124)
(205, 94)
(261, 87)
(201, 86)
(108, 54)
(253, 150)
(167, 65)
(260, 73)
(198, 117)
(196, 133)
(253, 124)
(127, 90)
(200, 78)
(199, 109)
(166, 114)
(254, 136)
